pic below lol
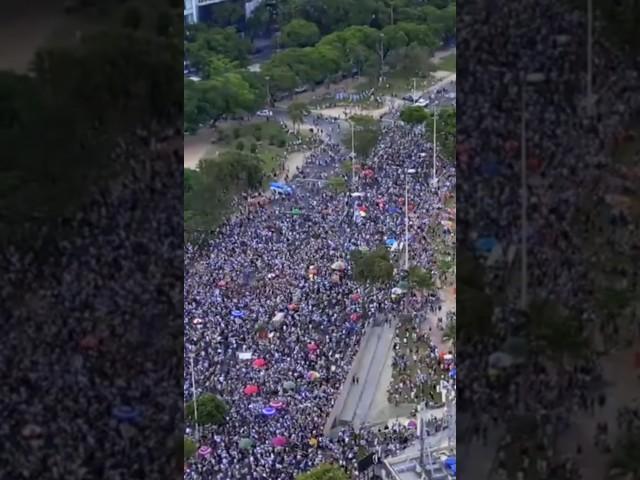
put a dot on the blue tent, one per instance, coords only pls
(280, 187)
(450, 464)
(486, 244)
(238, 314)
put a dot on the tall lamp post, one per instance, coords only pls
(195, 398)
(531, 78)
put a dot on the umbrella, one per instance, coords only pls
(31, 431)
(238, 314)
(368, 173)
(486, 244)
(245, 443)
(125, 413)
(279, 441)
(335, 278)
(222, 284)
(277, 404)
(396, 291)
(412, 424)
(198, 321)
(251, 390)
(295, 212)
(356, 297)
(312, 375)
(500, 360)
(391, 243)
(403, 285)
(259, 363)
(339, 265)
(293, 307)
(453, 372)
(289, 385)
(355, 317)
(278, 317)
(204, 451)
(90, 342)
(312, 347)
(268, 411)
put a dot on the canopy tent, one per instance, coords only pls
(238, 314)
(245, 443)
(391, 244)
(281, 188)
(450, 465)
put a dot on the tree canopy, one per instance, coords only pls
(366, 135)
(414, 115)
(445, 131)
(324, 472)
(299, 33)
(373, 267)
(211, 410)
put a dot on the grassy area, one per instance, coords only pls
(447, 63)
(408, 345)
(267, 139)
(400, 84)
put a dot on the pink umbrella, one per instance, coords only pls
(90, 342)
(259, 363)
(205, 451)
(279, 441)
(277, 404)
(412, 424)
(251, 390)
(356, 297)
(293, 307)
(355, 317)
(312, 347)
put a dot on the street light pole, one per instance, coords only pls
(525, 194)
(195, 398)
(267, 78)
(381, 57)
(435, 144)
(406, 220)
(353, 153)
(590, 56)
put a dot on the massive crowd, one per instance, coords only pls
(275, 285)
(567, 154)
(87, 343)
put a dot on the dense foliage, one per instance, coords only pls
(324, 472)
(211, 410)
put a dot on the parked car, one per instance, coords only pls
(264, 113)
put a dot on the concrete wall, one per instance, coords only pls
(348, 383)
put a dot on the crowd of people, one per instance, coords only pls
(529, 59)
(89, 340)
(274, 317)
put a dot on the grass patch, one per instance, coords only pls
(447, 63)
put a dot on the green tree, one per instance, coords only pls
(420, 278)
(299, 33)
(202, 42)
(474, 306)
(190, 448)
(324, 472)
(366, 135)
(449, 334)
(414, 115)
(372, 267)
(338, 184)
(445, 131)
(625, 462)
(211, 410)
(297, 111)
